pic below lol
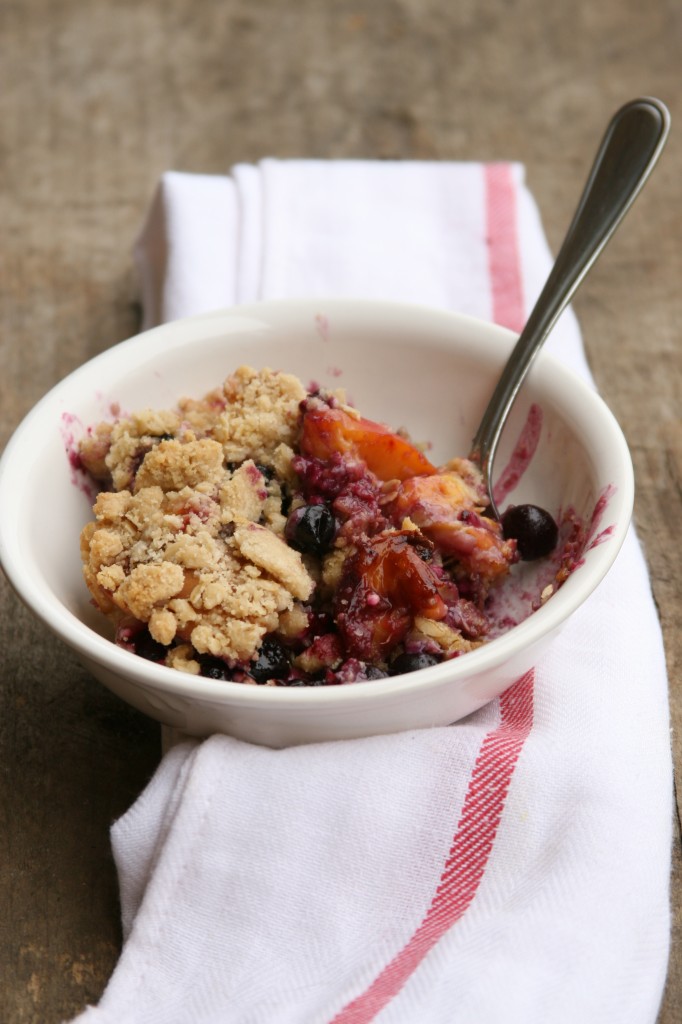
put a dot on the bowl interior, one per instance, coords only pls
(427, 371)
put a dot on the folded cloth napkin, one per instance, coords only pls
(513, 866)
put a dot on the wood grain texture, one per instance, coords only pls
(97, 100)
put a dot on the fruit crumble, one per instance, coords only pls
(270, 534)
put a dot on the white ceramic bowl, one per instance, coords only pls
(427, 370)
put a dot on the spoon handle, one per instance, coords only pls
(628, 152)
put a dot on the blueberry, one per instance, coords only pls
(272, 662)
(374, 673)
(267, 472)
(212, 667)
(533, 529)
(411, 662)
(311, 528)
(145, 646)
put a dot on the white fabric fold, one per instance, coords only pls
(511, 867)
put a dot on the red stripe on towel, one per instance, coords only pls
(494, 767)
(504, 262)
(469, 853)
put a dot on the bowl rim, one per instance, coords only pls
(102, 651)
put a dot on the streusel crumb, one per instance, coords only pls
(182, 522)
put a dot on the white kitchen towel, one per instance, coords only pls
(512, 867)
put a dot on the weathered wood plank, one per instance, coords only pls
(97, 101)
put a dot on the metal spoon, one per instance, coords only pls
(629, 150)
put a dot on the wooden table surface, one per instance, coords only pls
(97, 100)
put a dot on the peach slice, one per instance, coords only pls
(327, 431)
(445, 508)
(385, 584)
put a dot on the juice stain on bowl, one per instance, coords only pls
(71, 429)
(522, 455)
